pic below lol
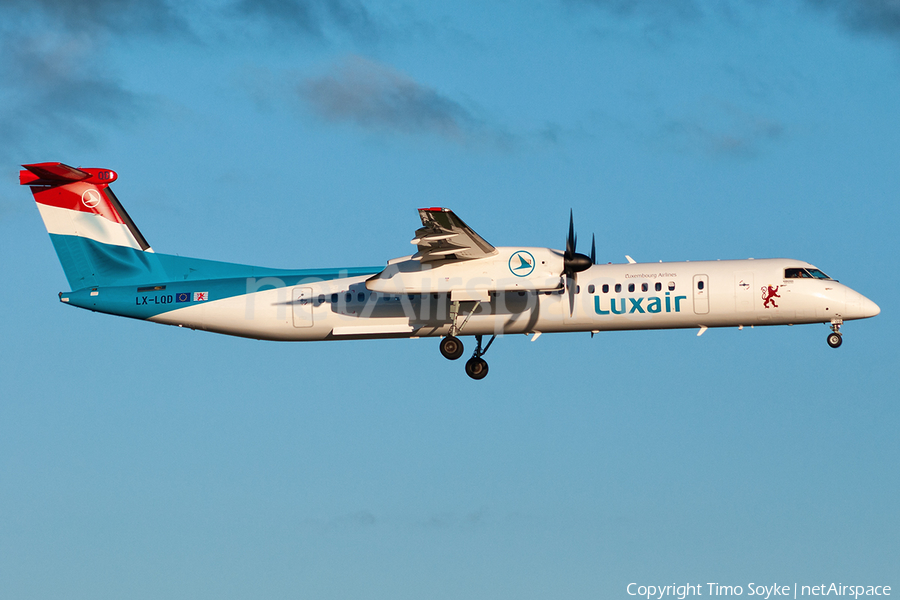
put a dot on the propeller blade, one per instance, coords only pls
(574, 263)
(571, 239)
(593, 251)
(571, 284)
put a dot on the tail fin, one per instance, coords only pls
(95, 239)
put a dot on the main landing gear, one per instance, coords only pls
(452, 346)
(476, 367)
(834, 338)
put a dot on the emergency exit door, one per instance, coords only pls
(302, 304)
(701, 294)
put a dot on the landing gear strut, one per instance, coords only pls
(834, 338)
(477, 367)
(451, 346)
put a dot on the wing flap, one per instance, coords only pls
(444, 236)
(381, 328)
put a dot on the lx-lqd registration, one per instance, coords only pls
(456, 284)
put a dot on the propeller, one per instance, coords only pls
(574, 263)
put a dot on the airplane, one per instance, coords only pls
(456, 284)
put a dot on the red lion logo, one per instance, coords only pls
(769, 294)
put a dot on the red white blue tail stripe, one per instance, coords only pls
(78, 202)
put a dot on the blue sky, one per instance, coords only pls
(141, 461)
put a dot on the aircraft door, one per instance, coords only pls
(701, 294)
(302, 305)
(744, 292)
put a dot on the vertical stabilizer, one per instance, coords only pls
(95, 239)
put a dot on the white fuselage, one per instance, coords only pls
(726, 293)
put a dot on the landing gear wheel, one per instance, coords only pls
(476, 368)
(451, 347)
(834, 340)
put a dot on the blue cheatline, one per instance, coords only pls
(120, 272)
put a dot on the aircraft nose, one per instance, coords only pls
(861, 307)
(869, 308)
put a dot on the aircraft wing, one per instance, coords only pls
(444, 236)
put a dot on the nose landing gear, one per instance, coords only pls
(834, 338)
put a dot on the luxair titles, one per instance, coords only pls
(654, 305)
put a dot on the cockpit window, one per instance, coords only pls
(798, 273)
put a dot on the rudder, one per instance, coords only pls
(96, 241)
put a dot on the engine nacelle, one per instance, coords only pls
(509, 269)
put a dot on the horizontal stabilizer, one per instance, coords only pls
(56, 173)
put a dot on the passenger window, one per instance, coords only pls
(658, 286)
(671, 286)
(321, 299)
(630, 287)
(700, 285)
(591, 289)
(334, 298)
(361, 297)
(645, 287)
(577, 289)
(618, 287)
(348, 297)
(605, 288)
